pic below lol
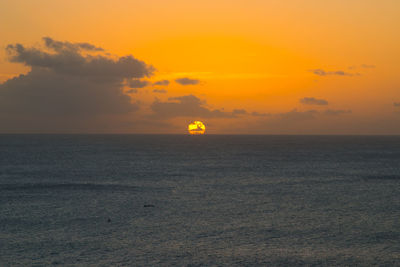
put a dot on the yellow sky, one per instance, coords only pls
(254, 55)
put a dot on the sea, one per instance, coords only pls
(209, 200)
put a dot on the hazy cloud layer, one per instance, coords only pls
(162, 83)
(363, 66)
(258, 114)
(295, 115)
(321, 72)
(187, 81)
(64, 83)
(313, 101)
(186, 106)
(160, 91)
(366, 66)
(396, 104)
(137, 83)
(239, 112)
(336, 112)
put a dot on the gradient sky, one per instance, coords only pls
(241, 67)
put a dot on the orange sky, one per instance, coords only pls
(256, 55)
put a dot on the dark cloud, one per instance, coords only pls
(187, 81)
(163, 83)
(321, 72)
(68, 61)
(160, 91)
(132, 91)
(313, 101)
(136, 83)
(396, 104)
(66, 85)
(336, 112)
(46, 93)
(186, 106)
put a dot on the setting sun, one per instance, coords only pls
(196, 128)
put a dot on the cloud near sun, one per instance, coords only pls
(188, 106)
(79, 87)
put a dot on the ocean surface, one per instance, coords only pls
(212, 200)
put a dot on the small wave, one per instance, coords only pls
(68, 186)
(382, 177)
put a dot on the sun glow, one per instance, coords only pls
(196, 128)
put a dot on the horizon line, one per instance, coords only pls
(210, 134)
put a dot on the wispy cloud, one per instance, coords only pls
(363, 66)
(160, 91)
(136, 83)
(162, 83)
(321, 72)
(366, 66)
(59, 46)
(203, 76)
(187, 81)
(313, 101)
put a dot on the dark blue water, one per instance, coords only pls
(162, 200)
